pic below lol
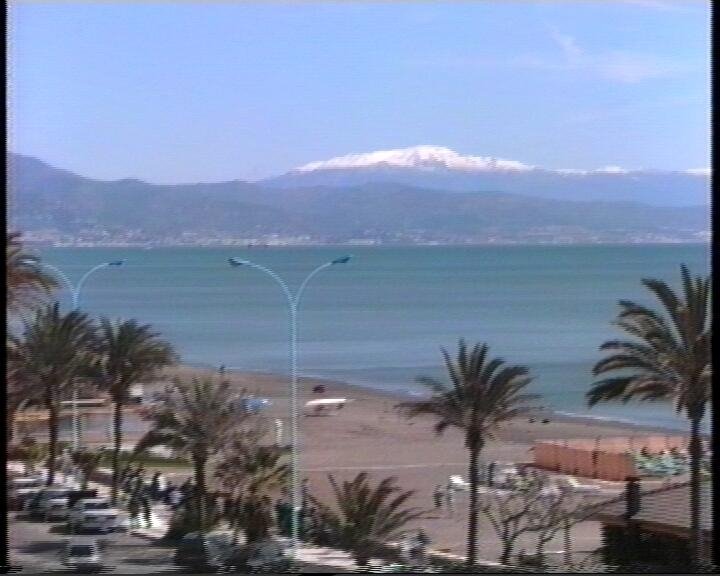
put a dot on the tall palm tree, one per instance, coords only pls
(54, 350)
(484, 393)
(668, 359)
(365, 517)
(196, 419)
(128, 353)
(27, 282)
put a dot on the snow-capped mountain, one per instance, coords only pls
(420, 157)
(441, 168)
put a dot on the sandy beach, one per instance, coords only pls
(369, 435)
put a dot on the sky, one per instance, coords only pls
(173, 92)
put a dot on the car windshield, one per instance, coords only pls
(97, 506)
(81, 550)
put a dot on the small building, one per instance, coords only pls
(654, 530)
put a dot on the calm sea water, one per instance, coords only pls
(381, 319)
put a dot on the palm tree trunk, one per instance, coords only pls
(695, 449)
(53, 425)
(473, 478)
(117, 439)
(200, 490)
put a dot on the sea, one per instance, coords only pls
(380, 320)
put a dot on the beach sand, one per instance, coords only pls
(369, 435)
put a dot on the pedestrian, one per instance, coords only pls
(169, 487)
(305, 493)
(147, 512)
(422, 541)
(438, 497)
(154, 486)
(175, 497)
(491, 473)
(134, 511)
(278, 431)
(450, 500)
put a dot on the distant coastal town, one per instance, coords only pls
(531, 236)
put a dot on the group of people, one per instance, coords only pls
(140, 493)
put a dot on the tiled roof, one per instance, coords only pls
(668, 506)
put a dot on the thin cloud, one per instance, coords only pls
(619, 66)
(614, 66)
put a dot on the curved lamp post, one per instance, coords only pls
(293, 302)
(75, 292)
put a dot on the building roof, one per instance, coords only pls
(669, 507)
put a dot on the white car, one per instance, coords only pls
(23, 488)
(37, 506)
(54, 508)
(93, 514)
(82, 556)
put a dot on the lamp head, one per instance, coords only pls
(237, 262)
(341, 260)
(116, 263)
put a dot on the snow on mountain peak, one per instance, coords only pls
(424, 157)
(428, 157)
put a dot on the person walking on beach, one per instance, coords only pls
(438, 497)
(450, 500)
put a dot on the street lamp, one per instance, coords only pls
(75, 293)
(293, 302)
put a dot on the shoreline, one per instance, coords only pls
(369, 391)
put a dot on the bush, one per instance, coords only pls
(185, 519)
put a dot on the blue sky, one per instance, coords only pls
(186, 92)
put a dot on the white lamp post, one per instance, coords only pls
(293, 302)
(75, 293)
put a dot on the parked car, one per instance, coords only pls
(76, 495)
(37, 505)
(55, 509)
(267, 556)
(82, 556)
(22, 489)
(203, 552)
(91, 514)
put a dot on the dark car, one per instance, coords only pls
(202, 552)
(76, 495)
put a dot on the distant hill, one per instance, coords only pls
(52, 202)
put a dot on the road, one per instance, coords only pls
(35, 546)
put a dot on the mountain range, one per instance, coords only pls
(441, 168)
(418, 195)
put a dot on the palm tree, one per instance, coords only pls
(669, 359)
(251, 472)
(27, 282)
(483, 395)
(54, 350)
(128, 353)
(87, 461)
(367, 516)
(196, 419)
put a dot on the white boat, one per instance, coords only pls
(322, 405)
